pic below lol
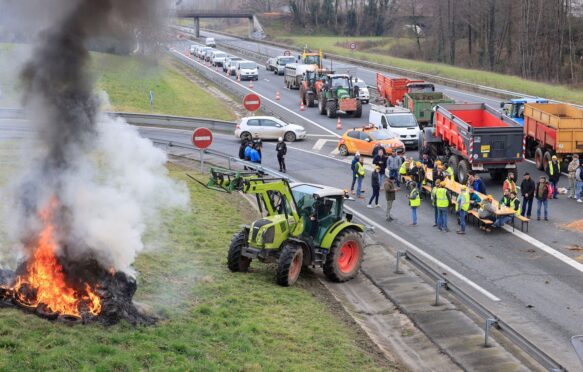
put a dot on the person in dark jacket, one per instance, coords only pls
(376, 187)
(542, 193)
(242, 149)
(527, 190)
(426, 161)
(479, 185)
(391, 188)
(255, 154)
(417, 174)
(281, 149)
(381, 161)
(353, 168)
(376, 149)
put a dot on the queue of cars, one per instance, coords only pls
(243, 69)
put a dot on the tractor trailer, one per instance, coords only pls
(553, 129)
(393, 90)
(422, 104)
(474, 138)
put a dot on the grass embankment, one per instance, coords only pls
(128, 82)
(215, 320)
(370, 49)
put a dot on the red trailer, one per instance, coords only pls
(474, 137)
(393, 90)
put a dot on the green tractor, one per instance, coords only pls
(339, 95)
(303, 225)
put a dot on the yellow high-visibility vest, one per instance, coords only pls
(441, 198)
(360, 169)
(414, 201)
(466, 205)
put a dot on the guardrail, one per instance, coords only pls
(150, 120)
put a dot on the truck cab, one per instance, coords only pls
(514, 108)
(399, 120)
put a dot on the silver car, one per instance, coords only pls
(268, 127)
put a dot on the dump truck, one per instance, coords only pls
(393, 90)
(422, 104)
(474, 138)
(302, 225)
(514, 108)
(553, 129)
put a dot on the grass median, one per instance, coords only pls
(214, 319)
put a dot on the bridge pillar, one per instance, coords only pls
(197, 27)
(251, 27)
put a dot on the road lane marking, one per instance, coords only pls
(319, 144)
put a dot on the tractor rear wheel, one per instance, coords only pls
(345, 257)
(321, 104)
(358, 112)
(235, 260)
(331, 108)
(463, 171)
(289, 265)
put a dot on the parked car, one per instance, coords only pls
(268, 127)
(231, 65)
(202, 52)
(208, 54)
(210, 42)
(363, 92)
(270, 64)
(363, 140)
(218, 58)
(192, 49)
(281, 62)
(247, 70)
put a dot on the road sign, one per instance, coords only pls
(202, 138)
(352, 46)
(287, 53)
(252, 102)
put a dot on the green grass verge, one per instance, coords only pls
(215, 320)
(373, 52)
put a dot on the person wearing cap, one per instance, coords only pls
(442, 201)
(281, 149)
(527, 187)
(414, 201)
(376, 186)
(360, 173)
(572, 169)
(554, 172)
(438, 175)
(393, 165)
(390, 190)
(509, 183)
(542, 192)
(353, 168)
(487, 211)
(462, 207)
(404, 169)
(417, 174)
(449, 171)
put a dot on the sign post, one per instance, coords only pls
(202, 138)
(252, 102)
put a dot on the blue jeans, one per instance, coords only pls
(526, 207)
(358, 185)
(442, 218)
(579, 190)
(395, 173)
(540, 203)
(463, 215)
(501, 221)
(414, 215)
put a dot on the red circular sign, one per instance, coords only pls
(252, 102)
(202, 138)
(352, 46)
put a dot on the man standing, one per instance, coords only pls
(360, 172)
(376, 149)
(417, 174)
(376, 186)
(438, 175)
(463, 206)
(394, 164)
(509, 183)
(579, 179)
(427, 162)
(380, 160)
(442, 199)
(554, 171)
(353, 168)
(390, 190)
(281, 149)
(527, 190)
(414, 201)
(572, 169)
(542, 193)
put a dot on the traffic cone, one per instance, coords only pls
(277, 96)
(339, 124)
(302, 108)
(251, 84)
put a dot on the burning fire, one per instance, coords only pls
(45, 283)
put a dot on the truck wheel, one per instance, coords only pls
(331, 109)
(235, 260)
(345, 257)
(310, 100)
(463, 170)
(289, 265)
(343, 150)
(321, 105)
(358, 112)
(453, 163)
(420, 144)
(547, 159)
(538, 158)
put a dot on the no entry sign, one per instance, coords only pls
(202, 138)
(252, 102)
(352, 46)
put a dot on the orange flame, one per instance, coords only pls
(45, 275)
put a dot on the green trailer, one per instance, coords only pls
(422, 104)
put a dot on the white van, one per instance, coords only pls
(399, 120)
(247, 70)
(210, 42)
(218, 58)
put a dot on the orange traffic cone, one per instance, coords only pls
(302, 108)
(339, 124)
(277, 96)
(251, 84)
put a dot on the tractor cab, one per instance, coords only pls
(312, 58)
(514, 108)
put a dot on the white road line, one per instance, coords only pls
(260, 95)
(319, 144)
(335, 151)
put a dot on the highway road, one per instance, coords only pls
(533, 280)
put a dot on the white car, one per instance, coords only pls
(218, 58)
(247, 70)
(231, 65)
(201, 51)
(192, 49)
(268, 127)
(363, 92)
(210, 42)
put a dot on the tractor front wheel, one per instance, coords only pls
(321, 104)
(289, 264)
(345, 257)
(331, 108)
(235, 260)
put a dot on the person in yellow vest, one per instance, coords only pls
(509, 183)
(449, 171)
(554, 171)
(414, 201)
(360, 173)
(404, 169)
(462, 207)
(514, 203)
(442, 200)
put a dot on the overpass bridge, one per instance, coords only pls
(196, 15)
